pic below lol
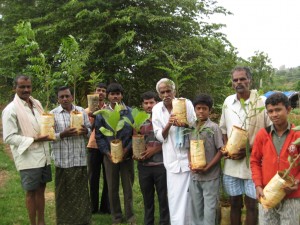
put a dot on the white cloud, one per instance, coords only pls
(271, 26)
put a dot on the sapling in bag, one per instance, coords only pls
(138, 140)
(114, 121)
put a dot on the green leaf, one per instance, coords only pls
(296, 128)
(120, 125)
(106, 132)
(139, 117)
(128, 121)
(297, 142)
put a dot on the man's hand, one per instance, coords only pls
(83, 130)
(174, 121)
(237, 156)
(91, 114)
(150, 151)
(125, 153)
(259, 193)
(42, 138)
(108, 156)
(69, 132)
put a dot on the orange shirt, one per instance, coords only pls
(92, 140)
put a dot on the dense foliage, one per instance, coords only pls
(131, 42)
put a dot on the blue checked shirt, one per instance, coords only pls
(70, 151)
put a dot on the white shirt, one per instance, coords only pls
(175, 158)
(234, 114)
(26, 153)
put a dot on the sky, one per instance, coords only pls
(270, 26)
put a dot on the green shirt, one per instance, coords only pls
(278, 141)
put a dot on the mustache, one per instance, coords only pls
(165, 98)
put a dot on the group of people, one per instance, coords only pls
(186, 196)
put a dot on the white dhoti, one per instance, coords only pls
(179, 198)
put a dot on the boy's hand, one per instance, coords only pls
(290, 189)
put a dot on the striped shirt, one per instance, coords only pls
(69, 151)
(150, 140)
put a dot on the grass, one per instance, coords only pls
(12, 198)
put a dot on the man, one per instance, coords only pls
(167, 129)
(123, 169)
(271, 149)
(152, 173)
(237, 175)
(21, 131)
(95, 161)
(69, 151)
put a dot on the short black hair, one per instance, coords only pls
(149, 95)
(62, 88)
(276, 98)
(204, 99)
(18, 77)
(101, 85)
(114, 87)
(243, 68)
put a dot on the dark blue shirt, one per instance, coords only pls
(125, 134)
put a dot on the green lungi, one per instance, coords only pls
(73, 205)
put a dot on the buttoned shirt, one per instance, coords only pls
(69, 151)
(234, 114)
(175, 158)
(27, 154)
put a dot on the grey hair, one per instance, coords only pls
(166, 81)
(243, 68)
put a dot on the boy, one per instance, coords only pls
(204, 182)
(270, 152)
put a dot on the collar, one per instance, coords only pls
(286, 131)
(108, 106)
(61, 109)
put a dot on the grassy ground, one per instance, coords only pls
(12, 198)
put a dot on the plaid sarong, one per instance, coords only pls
(71, 196)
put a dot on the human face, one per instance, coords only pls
(202, 112)
(166, 93)
(23, 89)
(115, 97)
(148, 104)
(101, 92)
(65, 99)
(278, 114)
(240, 82)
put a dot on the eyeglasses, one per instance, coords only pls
(239, 79)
